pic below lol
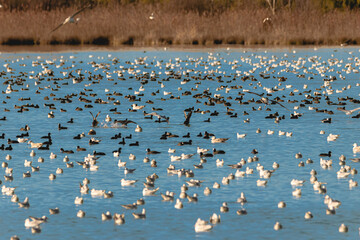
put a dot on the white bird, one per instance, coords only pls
(348, 112)
(171, 150)
(241, 135)
(201, 150)
(218, 140)
(149, 192)
(121, 164)
(356, 148)
(125, 182)
(202, 226)
(296, 182)
(178, 204)
(70, 19)
(95, 192)
(107, 118)
(214, 219)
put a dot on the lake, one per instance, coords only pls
(167, 82)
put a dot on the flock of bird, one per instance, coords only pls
(143, 108)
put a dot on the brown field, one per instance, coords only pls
(129, 25)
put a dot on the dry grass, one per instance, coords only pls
(130, 24)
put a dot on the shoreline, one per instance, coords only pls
(92, 48)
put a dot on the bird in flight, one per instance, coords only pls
(70, 19)
(267, 101)
(348, 112)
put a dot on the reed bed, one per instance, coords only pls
(130, 25)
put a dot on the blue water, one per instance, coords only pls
(163, 221)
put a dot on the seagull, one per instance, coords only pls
(70, 19)
(348, 112)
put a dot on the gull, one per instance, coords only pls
(70, 19)
(202, 226)
(348, 112)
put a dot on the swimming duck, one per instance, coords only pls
(119, 218)
(178, 204)
(80, 214)
(277, 226)
(308, 215)
(79, 200)
(106, 216)
(224, 207)
(25, 203)
(343, 228)
(215, 219)
(141, 215)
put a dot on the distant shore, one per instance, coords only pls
(123, 26)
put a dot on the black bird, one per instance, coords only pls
(215, 151)
(66, 151)
(122, 141)
(325, 154)
(80, 149)
(61, 127)
(187, 118)
(148, 151)
(48, 136)
(134, 144)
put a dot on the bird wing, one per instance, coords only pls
(57, 27)
(260, 95)
(343, 110)
(280, 105)
(355, 109)
(80, 11)
(92, 116)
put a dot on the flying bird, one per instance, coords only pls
(95, 122)
(267, 101)
(348, 112)
(70, 19)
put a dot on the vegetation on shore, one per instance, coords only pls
(181, 22)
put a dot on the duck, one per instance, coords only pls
(25, 203)
(277, 226)
(106, 216)
(130, 206)
(80, 214)
(214, 218)
(194, 198)
(308, 215)
(178, 204)
(119, 218)
(356, 148)
(218, 140)
(141, 215)
(224, 207)
(148, 151)
(79, 200)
